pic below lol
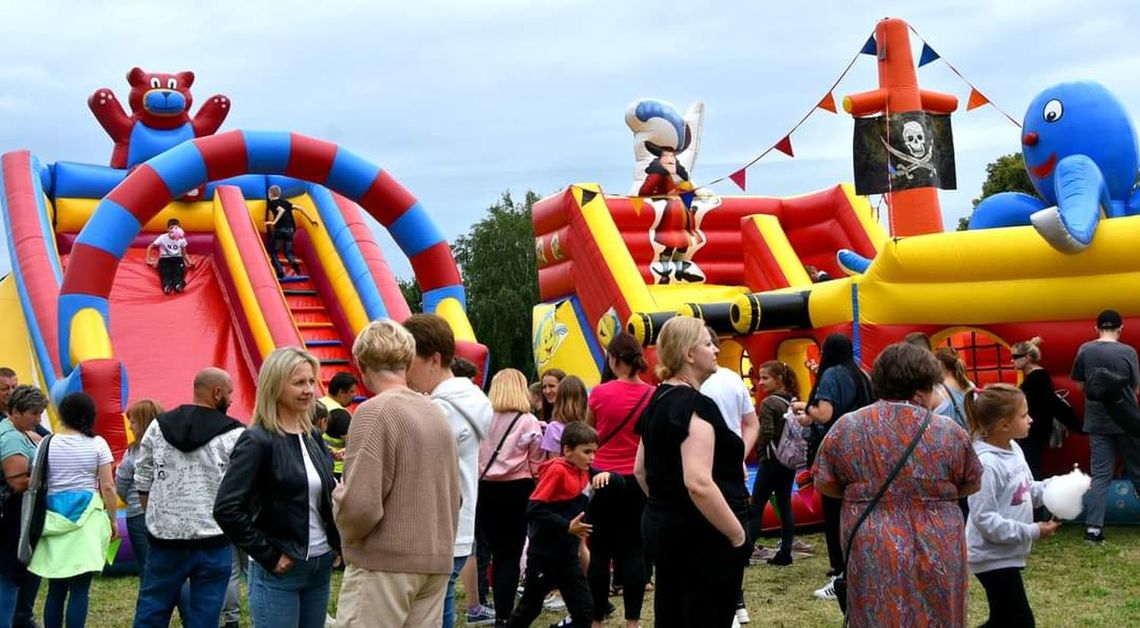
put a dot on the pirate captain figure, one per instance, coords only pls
(665, 145)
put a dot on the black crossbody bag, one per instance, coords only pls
(840, 583)
(499, 447)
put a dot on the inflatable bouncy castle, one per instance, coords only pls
(742, 263)
(83, 311)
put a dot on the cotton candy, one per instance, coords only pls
(1063, 494)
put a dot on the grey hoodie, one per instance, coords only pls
(1000, 531)
(469, 414)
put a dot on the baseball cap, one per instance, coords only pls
(1109, 319)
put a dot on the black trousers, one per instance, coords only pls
(616, 517)
(500, 518)
(1009, 607)
(698, 579)
(773, 478)
(832, 509)
(172, 272)
(544, 574)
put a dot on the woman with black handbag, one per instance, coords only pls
(508, 463)
(900, 470)
(17, 450)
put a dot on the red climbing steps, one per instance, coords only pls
(315, 324)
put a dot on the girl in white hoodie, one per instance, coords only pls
(1000, 530)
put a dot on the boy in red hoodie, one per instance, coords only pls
(556, 529)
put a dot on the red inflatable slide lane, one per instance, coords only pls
(165, 340)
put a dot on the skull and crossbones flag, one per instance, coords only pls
(903, 151)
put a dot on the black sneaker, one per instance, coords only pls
(780, 560)
(1094, 538)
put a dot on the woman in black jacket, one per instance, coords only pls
(1044, 404)
(275, 501)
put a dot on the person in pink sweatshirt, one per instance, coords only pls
(508, 465)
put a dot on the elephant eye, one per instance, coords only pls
(172, 84)
(155, 83)
(1053, 110)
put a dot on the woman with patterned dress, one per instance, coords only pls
(907, 563)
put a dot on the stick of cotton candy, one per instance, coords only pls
(1063, 494)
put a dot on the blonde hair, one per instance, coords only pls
(143, 412)
(678, 335)
(570, 404)
(986, 408)
(275, 372)
(384, 345)
(1031, 348)
(509, 392)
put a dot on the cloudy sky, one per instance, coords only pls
(461, 101)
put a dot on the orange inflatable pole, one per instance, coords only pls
(915, 211)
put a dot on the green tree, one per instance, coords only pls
(412, 294)
(1006, 174)
(496, 258)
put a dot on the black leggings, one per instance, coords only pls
(1009, 608)
(832, 510)
(773, 477)
(172, 272)
(616, 517)
(500, 516)
(698, 579)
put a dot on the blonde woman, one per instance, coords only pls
(275, 501)
(508, 464)
(688, 464)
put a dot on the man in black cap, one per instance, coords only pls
(1106, 438)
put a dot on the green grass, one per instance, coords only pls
(1069, 584)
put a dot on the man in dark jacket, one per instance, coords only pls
(182, 458)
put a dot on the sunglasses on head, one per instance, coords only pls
(1018, 356)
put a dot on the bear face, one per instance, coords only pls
(160, 100)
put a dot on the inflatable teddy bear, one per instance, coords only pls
(160, 116)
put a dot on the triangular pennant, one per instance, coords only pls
(928, 55)
(785, 146)
(976, 100)
(869, 47)
(738, 178)
(828, 103)
(587, 196)
(636, 202)
(687, 199)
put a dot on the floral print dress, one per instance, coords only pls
(907, 566)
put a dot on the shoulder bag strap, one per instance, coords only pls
(632, 411)
(886, 484)
(780, 432)
(499, 447)
(38, 474)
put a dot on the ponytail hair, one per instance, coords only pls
(986, 407)
(783, 373)
(950, 361)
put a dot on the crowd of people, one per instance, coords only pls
(550, 495)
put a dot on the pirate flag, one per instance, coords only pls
(903, 151)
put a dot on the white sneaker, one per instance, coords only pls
(742, 616)
(553, 602)
(735, 623)
(827, 592)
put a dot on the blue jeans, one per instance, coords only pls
(208, 571)
(74, 591)
(449, 601)
(9, 591)
(140, 545)
(299, 598)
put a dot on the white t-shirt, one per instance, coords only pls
(318, 539)
(727, 389)
(73, 462)
(168, 246)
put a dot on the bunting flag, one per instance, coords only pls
(636, 202)
(870, 47)
(738, 178)
(828, 103)
(976, 100)
(928, 55)
(687, 199)
(587, 196)
(785, 146)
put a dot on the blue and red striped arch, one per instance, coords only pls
(151, 186)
